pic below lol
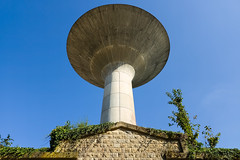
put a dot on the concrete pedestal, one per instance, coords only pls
(118, 104)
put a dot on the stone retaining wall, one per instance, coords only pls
(122, 143)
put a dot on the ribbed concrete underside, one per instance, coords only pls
(117, 33)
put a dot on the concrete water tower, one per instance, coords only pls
(118, 47)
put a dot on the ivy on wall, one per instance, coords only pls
(18, 152)
(70, 132)
(214, 153)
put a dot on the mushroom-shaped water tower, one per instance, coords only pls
(118, 47)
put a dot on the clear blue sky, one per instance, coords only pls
(40, 90)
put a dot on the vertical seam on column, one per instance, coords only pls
(119, 97)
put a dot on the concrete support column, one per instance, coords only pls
(118, 104)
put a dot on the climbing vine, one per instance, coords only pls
(181, 119)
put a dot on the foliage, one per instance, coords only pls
(170, 134)
(210, 140)
(81, 124)
(71, 132)
(19, 152)
(181, 118)
(214, 153)
(6, 142)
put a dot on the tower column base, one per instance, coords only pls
(118, 104)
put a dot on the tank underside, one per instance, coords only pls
(117, 33)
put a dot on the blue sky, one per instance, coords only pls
(40, 90)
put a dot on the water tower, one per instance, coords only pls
(118, 47)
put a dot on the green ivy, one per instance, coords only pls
(18, 152)
(214, 153)
(69, 132)
(211, 140)
(169, 134)
(181, 118)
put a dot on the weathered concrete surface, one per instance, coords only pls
(117, 33)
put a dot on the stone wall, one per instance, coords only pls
(122, 143)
